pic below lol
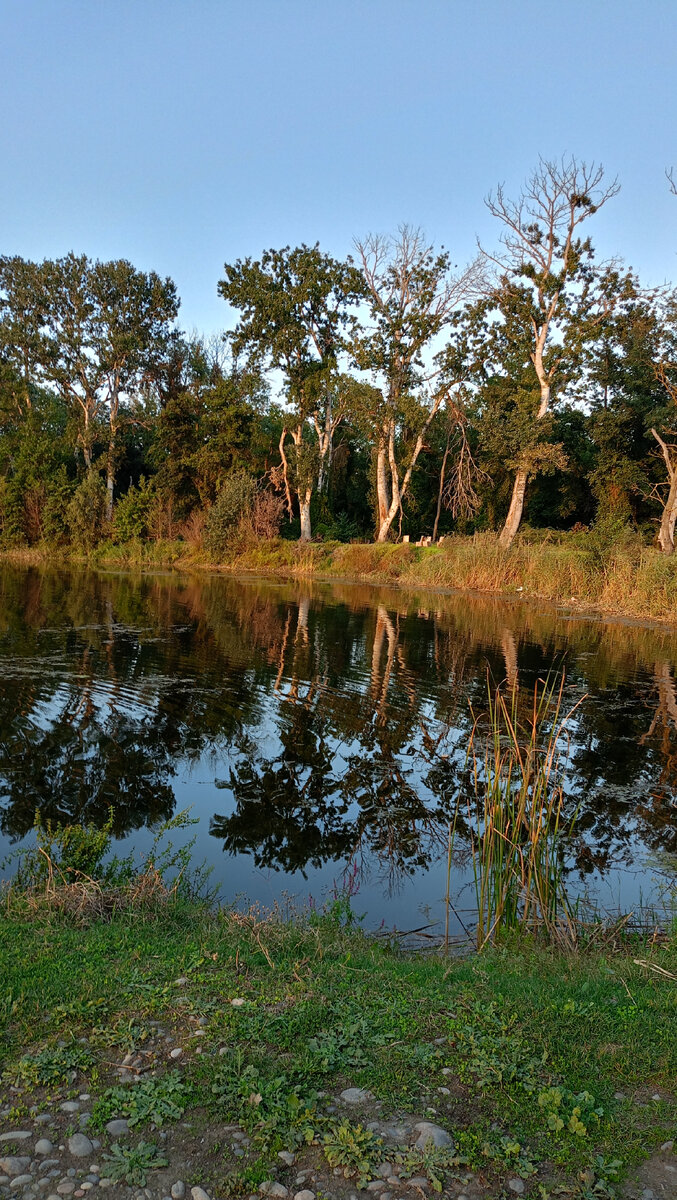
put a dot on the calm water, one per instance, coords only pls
(314, 728)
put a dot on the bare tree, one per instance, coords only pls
(546, 276)
(412, 292)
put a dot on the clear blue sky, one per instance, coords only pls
(185, 133)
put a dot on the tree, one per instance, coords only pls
(296, 312)
(412, 293)
(545, 290)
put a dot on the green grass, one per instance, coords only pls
(531, 1045)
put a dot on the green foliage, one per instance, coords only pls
(234, 503)
(66, 850)
(354, 1149)
(52, 1065)
(131, 516)
(132, 1163)
(85, 514)
(160, 1099)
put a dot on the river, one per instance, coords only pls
(318, 732)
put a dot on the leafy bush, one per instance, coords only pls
(86, 510)
(234, 502)
(132, 511)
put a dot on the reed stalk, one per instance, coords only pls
(516, 813)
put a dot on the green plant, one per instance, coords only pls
(353, 1148)
(233, 503)
(133, 1163)
(132, 511)
(159, 1099)
(66, 851)
(52, 1065)
(515, 811)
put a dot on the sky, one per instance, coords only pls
(183, 134)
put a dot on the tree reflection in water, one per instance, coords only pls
(334, 720)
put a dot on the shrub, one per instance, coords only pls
(132, 512)
(234, 503)
(85, 512)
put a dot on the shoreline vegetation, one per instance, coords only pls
(223, 1052)
(575, 571)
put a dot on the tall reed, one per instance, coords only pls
(516, 812)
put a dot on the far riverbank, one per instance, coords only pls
(575, 570)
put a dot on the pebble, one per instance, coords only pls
(21, 1181)
(43, 1146)
(428, 1132)
(287, 1157)
(270, 1188)
(65, 1187)
(176, 1052)
(17, 1136)
(70, 1106)
(14, 1164)
(419, 1181)
(355, 1095)
(237, 1002)
(516, 1185)
(118, 1127)
(199, 1193)
(667, 1146)
(178, 1190)
(305, 1195)
(80, 1146)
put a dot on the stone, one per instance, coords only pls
(43, 1146)
(516, 1185)
(176, 1052)
(70, 1106)
(118, 1127)
(21, 1181)
(66, 1187)
(270, 1188)
(355, 1095)
(199, 1193)
(430, 1133)
(80, 1146)
(385, 1170)
(668, 1146)
(237, 1002)
(178, 1190)
(14, 1164)
(306, 1194)
(418, 1181)
(19, 1135)
(287, 1157)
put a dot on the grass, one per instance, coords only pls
(521, 1052)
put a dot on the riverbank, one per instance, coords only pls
(240, 1053)
(576, 570)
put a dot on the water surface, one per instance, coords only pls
(316, 730)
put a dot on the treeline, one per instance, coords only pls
(389, 394)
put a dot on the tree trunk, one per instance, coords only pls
(304, 508)
(399, 490)
(512, 521)
(382, 490)
(666, 533)
(440, 490)
(514, 517)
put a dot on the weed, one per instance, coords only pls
(158, 1100)
(353, 1148)
(133, 1163)
(52, 1065)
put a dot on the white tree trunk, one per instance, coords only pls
(304, 508)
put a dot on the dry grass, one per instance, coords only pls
(84, 900)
